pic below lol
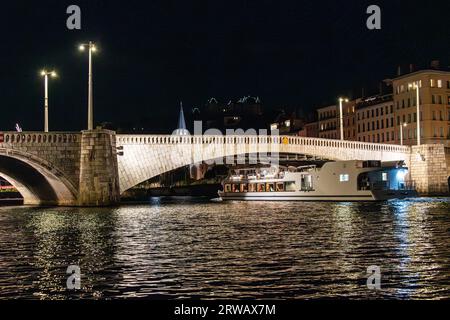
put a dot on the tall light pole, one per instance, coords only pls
(91, 47)
(417, 85)
(341, 116)
(401, 132)
(45, 74)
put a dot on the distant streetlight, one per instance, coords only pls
(416, 86)
(45, 74)
(91, 47)
(401, 132)
(341, 116)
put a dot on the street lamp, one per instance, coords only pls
(45, 74)
(91, 47)
(401, 132)
(341, 116)
(416, 85)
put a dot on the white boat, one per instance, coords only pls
(334, 181)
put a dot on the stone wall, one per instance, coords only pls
(99, 178)
(429, 170)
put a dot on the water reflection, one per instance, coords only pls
(174, 248)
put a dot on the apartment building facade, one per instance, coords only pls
(329, 121)
(434, 93)
(375, 118)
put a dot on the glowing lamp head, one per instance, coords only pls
(94, 49)
(81, 47)
(54, 74)
(43, 72)
(405, 124)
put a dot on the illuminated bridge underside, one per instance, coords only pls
(38, 181)
(147, 156)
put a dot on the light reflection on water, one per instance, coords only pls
(186, 248)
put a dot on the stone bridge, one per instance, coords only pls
(92, 168)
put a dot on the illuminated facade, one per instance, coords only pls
(434, 92)
(329, 119)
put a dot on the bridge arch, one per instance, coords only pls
(145, 157)
(37, 180)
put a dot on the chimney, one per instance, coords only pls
(381, 88)
(435, 64)
(399, 71)
(411, 68)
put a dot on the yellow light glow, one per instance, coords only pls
(81, 47)
(43, 73)
(54, 75)
(94, 48)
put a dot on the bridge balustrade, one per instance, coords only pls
(40, 137)
(288, 140)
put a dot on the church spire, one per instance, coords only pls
(181, 129)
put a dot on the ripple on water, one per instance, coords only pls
(195, 249)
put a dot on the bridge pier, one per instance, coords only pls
(99, 177)
(428, 169)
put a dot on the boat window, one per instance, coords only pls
(270, 187)
(252, 187)
(243, 187)
(344, 178)
(306, 183)
(280, 187)
(261, 187)
(228, 188)
(234, 188)
(372, 164)
(364, 182)
(290, 186)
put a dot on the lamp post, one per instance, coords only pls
(401, 132)
(91, 47)
(45, 74)
(341, 116)
(417, 87)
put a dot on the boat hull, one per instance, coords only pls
(309, 196)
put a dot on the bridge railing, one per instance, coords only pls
(13, 137)
(124, 139)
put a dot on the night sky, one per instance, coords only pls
(299, 54)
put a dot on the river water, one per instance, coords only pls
(190, 248)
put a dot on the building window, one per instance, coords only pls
(387, 136)
(409, 118)
(384, 176)
(432, 83)
(439, 83)
(344, 178)
(441, 131)
(434, 115)
(415, 116)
